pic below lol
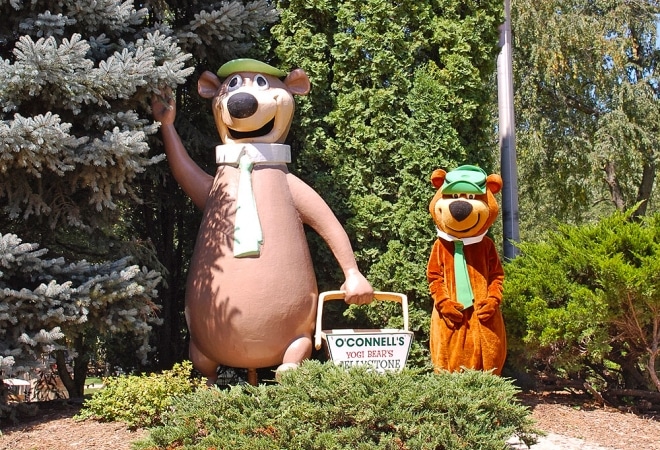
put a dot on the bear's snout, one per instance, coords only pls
(242, 105)
(460, 210)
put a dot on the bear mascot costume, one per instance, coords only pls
(465, 274)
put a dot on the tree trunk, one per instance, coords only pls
(613, 183)
(167, 256)
(653, 356)
(75, 385)
(64, 374)
(645, 188)
(4, 391)
(80, 368)
(649, 395)
(633, 377)
(654, 352)
(165, 222)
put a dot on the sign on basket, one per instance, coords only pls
(381, 349)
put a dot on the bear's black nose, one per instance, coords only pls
(242, 105)
(460, 210)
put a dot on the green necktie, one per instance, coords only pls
(464, 293)
(247, 229)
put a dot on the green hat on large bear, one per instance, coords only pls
(248, 65)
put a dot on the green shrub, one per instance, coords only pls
(585, 303)
(321, 406)
(139, 401)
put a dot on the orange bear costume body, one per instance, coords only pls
(465, 274)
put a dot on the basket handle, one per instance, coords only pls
(340, 295)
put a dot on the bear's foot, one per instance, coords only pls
(283, 368)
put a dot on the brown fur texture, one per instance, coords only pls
(475, 337)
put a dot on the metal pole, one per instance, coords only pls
(509, 169)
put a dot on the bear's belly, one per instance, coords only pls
(245, 312)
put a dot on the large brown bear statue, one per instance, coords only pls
(251, 295)
(465, 274)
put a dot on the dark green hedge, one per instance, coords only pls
(320, 406)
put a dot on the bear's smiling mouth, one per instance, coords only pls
(263, 131)
(467, 229)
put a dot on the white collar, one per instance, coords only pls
(466, 241)
(258, 153)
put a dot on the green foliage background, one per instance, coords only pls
(398, 90)
(587, 110)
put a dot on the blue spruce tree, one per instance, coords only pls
(76, 134)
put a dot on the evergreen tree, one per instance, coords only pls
(77, 176)
(587, 110)
(49, 306)
(73, 77)
(398, 90)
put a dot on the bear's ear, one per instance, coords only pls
(298, 82)
(438, 177)
(494, 183)
(208, 85)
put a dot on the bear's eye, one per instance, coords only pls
(261, 82)
(470, 196)
(234, 83)
(455, 195)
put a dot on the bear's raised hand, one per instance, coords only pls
(163, 107)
